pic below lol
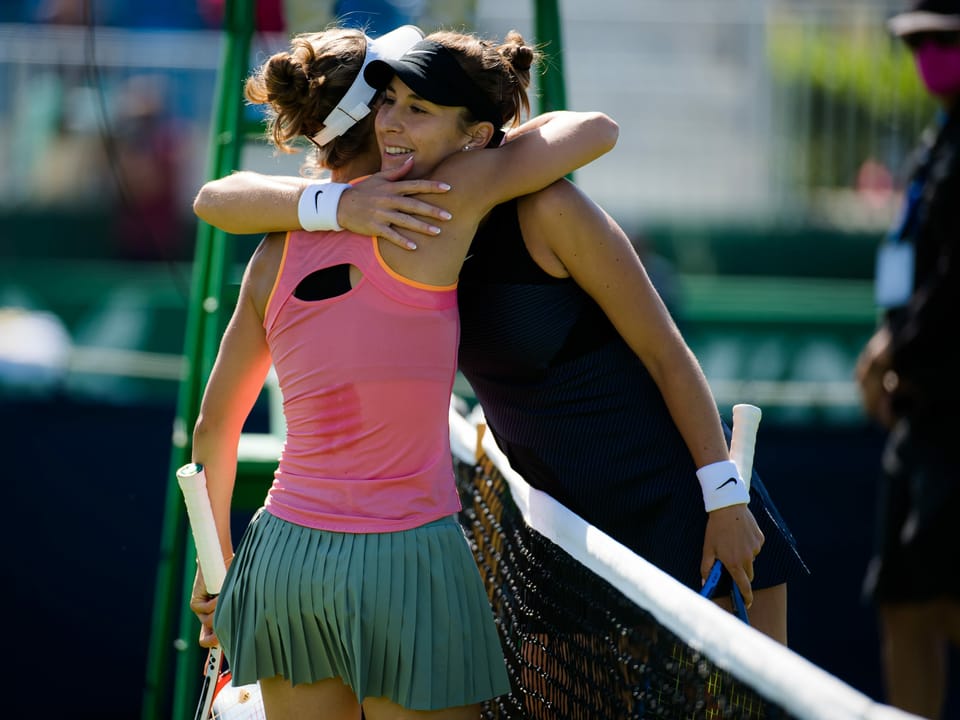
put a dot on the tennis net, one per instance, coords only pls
(592, 631)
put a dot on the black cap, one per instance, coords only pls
(433, 73)
(927, 16)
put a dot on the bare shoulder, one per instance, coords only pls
(557, 203)
(543, 216)
(563, 223)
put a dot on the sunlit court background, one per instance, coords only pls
(760, 161)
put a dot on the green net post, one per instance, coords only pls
(176, 698)
(549, 33)
(553, 94)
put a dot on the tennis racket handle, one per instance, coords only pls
(746, 420)
(193, 484)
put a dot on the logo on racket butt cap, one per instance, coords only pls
(189, 470)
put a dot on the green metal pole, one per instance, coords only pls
(202, 323)
(553, 94)
(549, 33)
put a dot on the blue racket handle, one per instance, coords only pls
(738, 604)
(712, 579)
(710, 586)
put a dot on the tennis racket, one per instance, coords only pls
(743, 442)
(219, 698)
(746, 420)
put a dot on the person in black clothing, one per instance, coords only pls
(908, 374)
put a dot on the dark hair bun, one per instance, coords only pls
(286, 80)
(520, 55)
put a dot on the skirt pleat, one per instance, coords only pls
(284, 613)
(292, 630)
(326, 650)
(392, 657)
(408, 623)
(443, 622)
(400, 615)
(302, 606)
(337, 593)
(423, 663)
(324, 567)
(375, 671)
(262, 583)
(462, 607)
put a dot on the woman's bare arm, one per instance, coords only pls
(250, 203)
(557, 145)
(529, 125)
(246, 202)
(235, 382)
(597, 254)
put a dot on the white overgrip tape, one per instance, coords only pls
(722, 485)
(317, 209)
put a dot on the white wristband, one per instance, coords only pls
(317, 209)
(721, 485)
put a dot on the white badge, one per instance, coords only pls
(894, 279)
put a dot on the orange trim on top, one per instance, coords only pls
(276, 280)
(405, 280)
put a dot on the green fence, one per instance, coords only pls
(776, 315)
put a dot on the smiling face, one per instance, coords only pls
(407, 124)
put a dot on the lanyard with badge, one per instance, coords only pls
(896, 257)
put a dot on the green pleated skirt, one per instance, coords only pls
(402, 615)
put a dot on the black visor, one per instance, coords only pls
(431, 71)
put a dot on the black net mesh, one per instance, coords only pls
(575, 646)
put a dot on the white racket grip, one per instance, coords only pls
(193, 484)
(746, 420)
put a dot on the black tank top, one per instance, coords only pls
(569, 402)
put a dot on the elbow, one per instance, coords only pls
(208, 207)
(202, 430)
(217, 429)
(203, 204)
(607, 130)
(212, 428)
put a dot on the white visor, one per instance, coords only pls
(355, 105)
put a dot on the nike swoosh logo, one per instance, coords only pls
(316, 200)
(727, 482)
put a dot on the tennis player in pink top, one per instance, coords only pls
(353, 589)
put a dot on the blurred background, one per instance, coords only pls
(760, 161)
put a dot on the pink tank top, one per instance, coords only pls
(366, 378)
